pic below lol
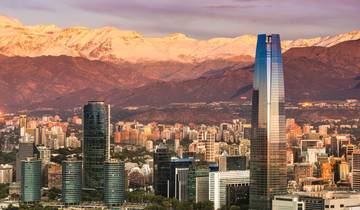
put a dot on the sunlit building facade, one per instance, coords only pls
(268, 142)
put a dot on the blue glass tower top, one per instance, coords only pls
(268, 78)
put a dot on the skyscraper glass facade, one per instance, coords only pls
(114, 188)
(178, 177)
(162, 160)
(71, 182)
(268, 144)
(30, 180)
(198, 182)
(96, 142)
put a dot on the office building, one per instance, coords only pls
(324, 200)
(96, 144)
(114, 186)
(162, 161)
(71, 182)
(287, 202)
(233, 162)
(179, 169)
(198, 182)
(30, 180)
(26, 149)
(237, 195)
(268, 143)
(219, 181)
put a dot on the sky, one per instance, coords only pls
(201, 19)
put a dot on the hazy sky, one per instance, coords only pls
(196, 18)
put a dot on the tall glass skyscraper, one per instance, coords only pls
(96, 144)
(71, 182)
(114, 187)
(268, 144)
(30, 180)
(162, 160)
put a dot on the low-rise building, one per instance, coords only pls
(6, 173)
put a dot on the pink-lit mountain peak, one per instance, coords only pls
(8, 21)
(112, 44)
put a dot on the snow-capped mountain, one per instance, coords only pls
(115, 45)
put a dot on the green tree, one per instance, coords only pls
(11, 207)
(155, 207)
(7, 157)
(54, 194)
(235, 208)
(205, 205)
(4, 190)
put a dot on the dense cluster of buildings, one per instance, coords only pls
(94, 170)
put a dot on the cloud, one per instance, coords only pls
(201, 18)
(28, 5)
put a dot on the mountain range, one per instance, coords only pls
(47, 66)
(112, 44)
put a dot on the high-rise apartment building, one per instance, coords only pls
(208, 137)
(22, 127)
(356, 170)
(268, 142)
(96, 144)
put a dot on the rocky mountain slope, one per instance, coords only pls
(311, 73)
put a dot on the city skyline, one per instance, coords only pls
(180, 105)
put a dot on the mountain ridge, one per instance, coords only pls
(311, 73)
(114, 45)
